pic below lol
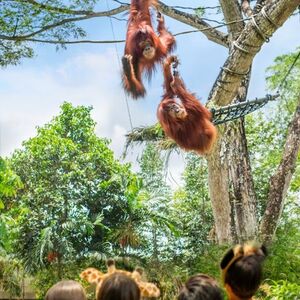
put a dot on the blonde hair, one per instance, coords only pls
(66, 290)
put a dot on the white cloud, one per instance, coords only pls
(32, 96)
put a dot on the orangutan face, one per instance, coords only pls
(148, 49)
(177, 111)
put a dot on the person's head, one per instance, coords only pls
(66, 290)
(242, 270)
(200, 287)
(118, 286)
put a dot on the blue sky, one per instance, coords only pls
(31, 93)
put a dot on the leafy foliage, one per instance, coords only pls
(11, 275)
(193, 208)
(25, 19)
(283, 290)
(9, 185)
(73, 191)
(9, 181)
(266, 133)
(283, 261)
(158, 228)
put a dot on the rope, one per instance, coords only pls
(234, 72)
(264, 13)
(118, 57)
(259, 31)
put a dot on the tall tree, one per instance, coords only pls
(193, 211)
(156, 197)
(10, 183)
(74, 191)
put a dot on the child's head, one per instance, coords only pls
(118, 286)
(242, 270)
(66, 290)
(200, 287)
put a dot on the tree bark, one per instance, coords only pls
(218, 189)
(232, 12)
(237, 197)
(241, 187)
(280, 181)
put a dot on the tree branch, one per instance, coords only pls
(57, 42)
(56, 9)
(189, 19)
(18, 38)
(280, 181)
(196, 22)
(69, 20)
(246, 8)
(246, 47)
(194, 8)
(232, 12)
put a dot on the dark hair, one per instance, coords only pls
(66, 290)
(244, 276)
(119, 286)
(200, 287)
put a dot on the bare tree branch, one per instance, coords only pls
(246, 8)
(57, 42)
(232, 12)
(18, 38)
(280, 181)
(194, 8)
(196, 22)
(246, 47)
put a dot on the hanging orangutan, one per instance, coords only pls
(185, 120)
(143, 48)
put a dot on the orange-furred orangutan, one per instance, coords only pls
(143, 48)
(185, 120)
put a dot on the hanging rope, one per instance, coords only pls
(118, 57)
(238, 110)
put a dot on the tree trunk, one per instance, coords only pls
(241, 188)
(231, 186)
(280, 181)
(231, 183)
(218, 183)
(230, 178)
